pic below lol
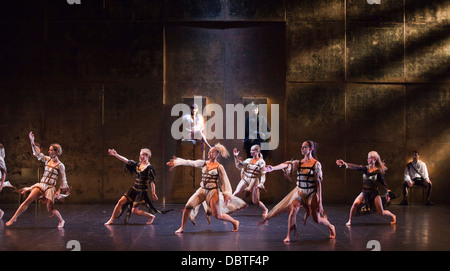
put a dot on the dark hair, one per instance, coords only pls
(415, 152)
(314, 146)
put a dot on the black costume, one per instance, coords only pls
(370, 188)
(137, 194)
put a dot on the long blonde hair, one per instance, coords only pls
(222, 150)
(379, 164)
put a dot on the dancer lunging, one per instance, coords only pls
(373, 173)
(215, 189)
(137, 194)
(307, 193)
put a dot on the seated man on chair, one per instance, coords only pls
(194, 128)
(416, 173)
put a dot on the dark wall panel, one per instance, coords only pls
(105, 74)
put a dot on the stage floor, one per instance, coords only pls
(418, 228)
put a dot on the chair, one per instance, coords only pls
(414, 187)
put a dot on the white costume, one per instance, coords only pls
(252, 175)
(48, 183)
(214, 180)
(193, 126)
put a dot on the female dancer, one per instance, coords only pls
(137, 194)
(373, 173)
(218, 202)
(308, 192)
(253, 175)
(46, 189)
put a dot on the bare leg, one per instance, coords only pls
(34, 194)
(319, 219)
(136, 211)
(117, 209)
(354, 208)
(240, 188)
(292, 221)
(56, 213)
(217, 213)
(381, 211)
(184, 218)
(256, 201)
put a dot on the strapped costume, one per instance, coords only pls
(214, 180)
(49, 181)
(307, 183)
(137, 194)
(252, 174)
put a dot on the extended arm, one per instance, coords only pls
(175, 161)
(113, 152)
(282, 166)
(346, 165)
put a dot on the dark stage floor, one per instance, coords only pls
(418, 227)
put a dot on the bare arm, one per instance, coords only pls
(113, 152)
(282, 166)
(154, 196)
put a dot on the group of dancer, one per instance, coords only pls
(215, 193)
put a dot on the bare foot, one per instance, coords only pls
(150, 220)
(349, 223)
(394, 219)
(109, 222)
(287, 239)
(9, 223)
(332, 232)
(265, 212)
(61, 224)
(235, 226)
(180, 230)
